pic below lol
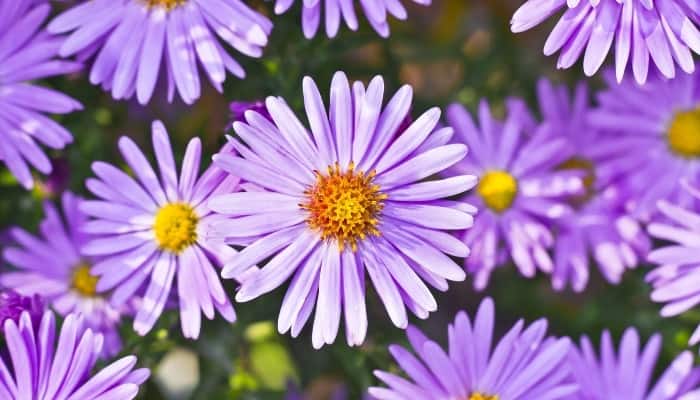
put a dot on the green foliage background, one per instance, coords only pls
(455, 50)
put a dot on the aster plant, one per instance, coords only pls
(627, 373)
(28, 53)
(149, 230)
(520, 191)
(51, 266)
(133, 43)
(675, 280)
(647, 34)
(343, 198)
(657, 138)
(523, 364)
(599, 230)
(334, 11)
(48, 365)
(13, 304)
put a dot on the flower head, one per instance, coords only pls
(343, 198)
(626, 374)
(47, 364)
(28, 54)
(149, 231)
(134, 42)
(644, 32)
(51, 266)
(520, 191)
(524, 364)
(13, 304)
(377, 12)
(675, 280)
(600, 228)
(656, 128)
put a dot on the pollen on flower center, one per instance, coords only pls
(168, 4)
(684, 133)
(344, 206)
(481, 396)
(175, 227)
(83, 281)
(498, 189)
(585, 165)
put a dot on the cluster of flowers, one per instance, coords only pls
(364, 190)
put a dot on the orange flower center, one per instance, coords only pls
(344, 205)
(167, 4)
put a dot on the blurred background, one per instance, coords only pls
(454, 51)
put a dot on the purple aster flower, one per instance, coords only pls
(662, 31)
(626, 374)
(519, 194)
(377, 12)
(600, 226)
(51, 266)
(524, 364)
(135, 41)
(151, 229)
(13, 304)
(675, 280)
(239, 108)
(26, 54)
(656, 129)
(48, 365)
(345, 197)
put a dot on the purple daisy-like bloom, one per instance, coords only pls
(344, 198)
(26, 54)
(519, 194)
(600, 226)
(524, 364)
(675, 280)
(656, 130)
(239, 108)
(663, 31)
(51, 266)
(135, 41)
(13, 304)
(151, 228)
(376, 11)
(49, 365)
(626, 374)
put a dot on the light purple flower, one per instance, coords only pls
(377, 12)
(26, 54)
(13, 304)
(51, 266)
(524, 364)
(134, 42)
(658, 32)
(675, 280)
(151, 230)
(626, 374)
(47, 364)
(600, 229)
(519, 194)
(239, 108)
(344, 198)
(656, 130)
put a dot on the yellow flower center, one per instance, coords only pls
(481, 396)
(684, 134)
(175, 227)
(344, 206)
(167, 4)
(581, 164)
(498, 189)
(83, 281)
